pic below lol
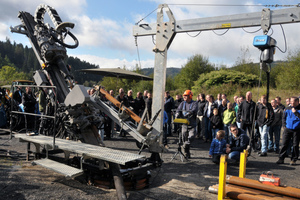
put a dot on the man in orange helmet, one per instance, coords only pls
(187, 109)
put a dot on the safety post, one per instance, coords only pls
(243, 161)
(222, 177)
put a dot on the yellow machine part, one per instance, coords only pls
(181, 121)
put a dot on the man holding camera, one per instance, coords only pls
(188, 110)
(291, 126)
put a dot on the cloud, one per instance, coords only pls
(3, 31)
(111, 38)
(130, 64)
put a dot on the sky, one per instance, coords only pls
(104, 30)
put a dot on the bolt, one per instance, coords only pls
(291, 14)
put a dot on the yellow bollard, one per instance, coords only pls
(243, 161)
(222, 177)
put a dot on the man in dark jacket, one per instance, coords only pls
(291, 125)
(131, 101)
(275, 128)
(169, 106)
(200, 114)
(238, 142)
(139, 104)
(246, 115)
(17, 96)
(208, 113)
(265, 117)
(122, 98)
(29, 102)
(148, 103)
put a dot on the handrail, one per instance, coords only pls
(32, 114)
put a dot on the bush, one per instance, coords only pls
(218, 78)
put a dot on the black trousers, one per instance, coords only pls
(216, 158)
(248, 127)
(288, 136)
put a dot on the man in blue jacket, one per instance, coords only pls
(291, 125)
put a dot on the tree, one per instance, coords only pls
(288, 78)
(189, 73)
(8, 74)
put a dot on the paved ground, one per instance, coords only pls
(174, 180)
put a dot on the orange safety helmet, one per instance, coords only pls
(188, 93)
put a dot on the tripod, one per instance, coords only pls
(179, 149)
(180, 153)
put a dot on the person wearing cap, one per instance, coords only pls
(188, 110)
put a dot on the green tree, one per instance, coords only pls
(189, 73)
(288, 78)
(8, 74)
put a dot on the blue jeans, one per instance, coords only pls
(264, 132)
(214, 132)
(169, 124)
(207, 128)
(274, 130)
(227, 133)
(235, 155)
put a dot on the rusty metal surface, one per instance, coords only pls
(289, 191)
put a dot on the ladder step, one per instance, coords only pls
(66, 170)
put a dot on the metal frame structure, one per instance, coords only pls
(166, 31)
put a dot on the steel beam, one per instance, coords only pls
(282, 16)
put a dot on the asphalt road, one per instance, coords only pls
(174, 180)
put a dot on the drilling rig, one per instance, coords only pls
(75, 116)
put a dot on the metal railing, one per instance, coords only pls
(33, 114)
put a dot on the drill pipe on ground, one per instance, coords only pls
(244, 193)
(288, 191)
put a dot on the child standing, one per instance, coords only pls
(229, 117)
(216, 122)
(217, 147)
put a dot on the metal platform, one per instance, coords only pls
(101, 153)
(66, 170)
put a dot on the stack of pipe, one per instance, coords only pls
(243, 188)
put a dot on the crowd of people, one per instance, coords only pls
(233, 127)
(230, 127)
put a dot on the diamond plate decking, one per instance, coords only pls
(102, 153)
(66, 170)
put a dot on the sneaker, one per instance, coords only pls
(277, 151)
(293, 162)
(280, 161)
(270, 150)
(262, 154)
